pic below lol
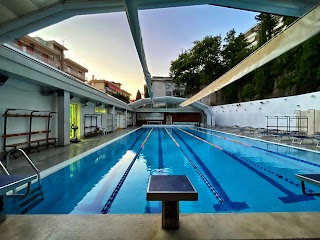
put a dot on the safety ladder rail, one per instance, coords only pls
(4, 168)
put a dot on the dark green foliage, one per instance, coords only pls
(198, 66)
(231, 93)
(308, 66)
(146, 93)
(138, 96)
(296, 71)
(234, 50)
(121, 97)
(267, 23)
(248, 91)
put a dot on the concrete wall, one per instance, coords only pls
(159, 88)
(253, 113)
(18, 94)
(22, 95)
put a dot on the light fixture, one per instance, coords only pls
(261, 102)
(298, 105)
(84, 101)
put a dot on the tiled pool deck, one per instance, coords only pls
(192, 226)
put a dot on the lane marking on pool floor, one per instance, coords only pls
(291, 196)
(229, 204)
(215, 193)
(108, 204)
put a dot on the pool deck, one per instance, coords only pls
(192, 226)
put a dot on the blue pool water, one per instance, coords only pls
(230, 173)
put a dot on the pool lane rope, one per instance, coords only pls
(250, 162)
(248, 145)
(215, 193)
(107, 206)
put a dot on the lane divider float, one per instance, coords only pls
(248, 145)
(215, 193)
(279, 176)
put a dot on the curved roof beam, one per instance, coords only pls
(133, 20)
(300, 31)
(15, 24)
(169, 99)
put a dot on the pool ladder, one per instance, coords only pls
(30, 198)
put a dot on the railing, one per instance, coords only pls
(36, 55)
(27, 158)
(154, 122)
(74, 73)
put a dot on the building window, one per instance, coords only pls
(168, 93)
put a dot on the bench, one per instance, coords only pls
(170, 189)
(310, 178)
(26, 139)
(33, 144)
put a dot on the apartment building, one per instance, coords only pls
(74, 69)
(108, 87)
(252, 35)
(50, 52)
(164, 86)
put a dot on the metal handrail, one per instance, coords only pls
(4, 169)
(27, 158)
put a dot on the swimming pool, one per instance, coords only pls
(230, 173)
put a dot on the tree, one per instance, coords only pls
(199, 65)
(267, 23)
(234, 50)
(263, 79)
(138, 96)
(308, 66)
(183, 70)
(146, 92)
(121, 97)
(248, 91)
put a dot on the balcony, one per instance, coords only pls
(74, 73)
(36, 55)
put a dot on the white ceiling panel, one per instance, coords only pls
(45, 3)
(6, 14)
(20, 7)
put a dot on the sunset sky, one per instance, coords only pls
(103, 42)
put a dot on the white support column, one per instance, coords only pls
(113, 118)
(134, 119)
(63, 118)
(126, 119)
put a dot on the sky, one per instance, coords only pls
(104, 45)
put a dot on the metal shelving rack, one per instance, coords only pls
(92, 129)
(284, 123)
